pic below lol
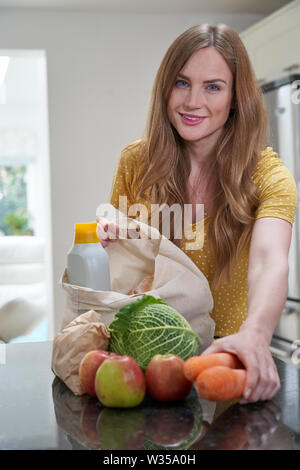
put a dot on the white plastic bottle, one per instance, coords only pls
(87, 260)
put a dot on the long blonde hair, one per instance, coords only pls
(165, 168)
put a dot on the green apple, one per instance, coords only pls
(120, 382)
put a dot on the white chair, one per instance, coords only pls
(23, 296)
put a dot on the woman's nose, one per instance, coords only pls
(194, 99)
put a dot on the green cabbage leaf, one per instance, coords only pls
(149, 326)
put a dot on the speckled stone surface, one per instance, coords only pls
(39, 412)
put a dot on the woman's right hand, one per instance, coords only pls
(107, 231)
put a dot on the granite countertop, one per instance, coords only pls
(39, 412)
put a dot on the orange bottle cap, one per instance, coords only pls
(86, 233)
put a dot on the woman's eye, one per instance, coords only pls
(216, 88)
(181, 83)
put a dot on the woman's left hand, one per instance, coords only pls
(251, 347)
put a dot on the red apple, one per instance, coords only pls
(88, 367)
(120, 382)
(165, 379)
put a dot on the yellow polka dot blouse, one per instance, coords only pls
(278, 198)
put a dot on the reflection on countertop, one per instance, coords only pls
(39, 412)
(177, 426)
(150, 426)
(193, 423)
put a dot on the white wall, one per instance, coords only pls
(101, 68)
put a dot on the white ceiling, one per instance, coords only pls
(264, 7)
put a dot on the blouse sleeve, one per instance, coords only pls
(276, 188)
(122, 182)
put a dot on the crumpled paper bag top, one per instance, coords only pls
(85, 333)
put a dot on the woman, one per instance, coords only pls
(205, 143)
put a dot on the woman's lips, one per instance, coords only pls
(190, 119)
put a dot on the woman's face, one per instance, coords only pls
(200, 101)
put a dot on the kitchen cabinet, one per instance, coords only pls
(273, 43)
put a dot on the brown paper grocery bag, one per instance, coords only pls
(177, 281)
(85, 333)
